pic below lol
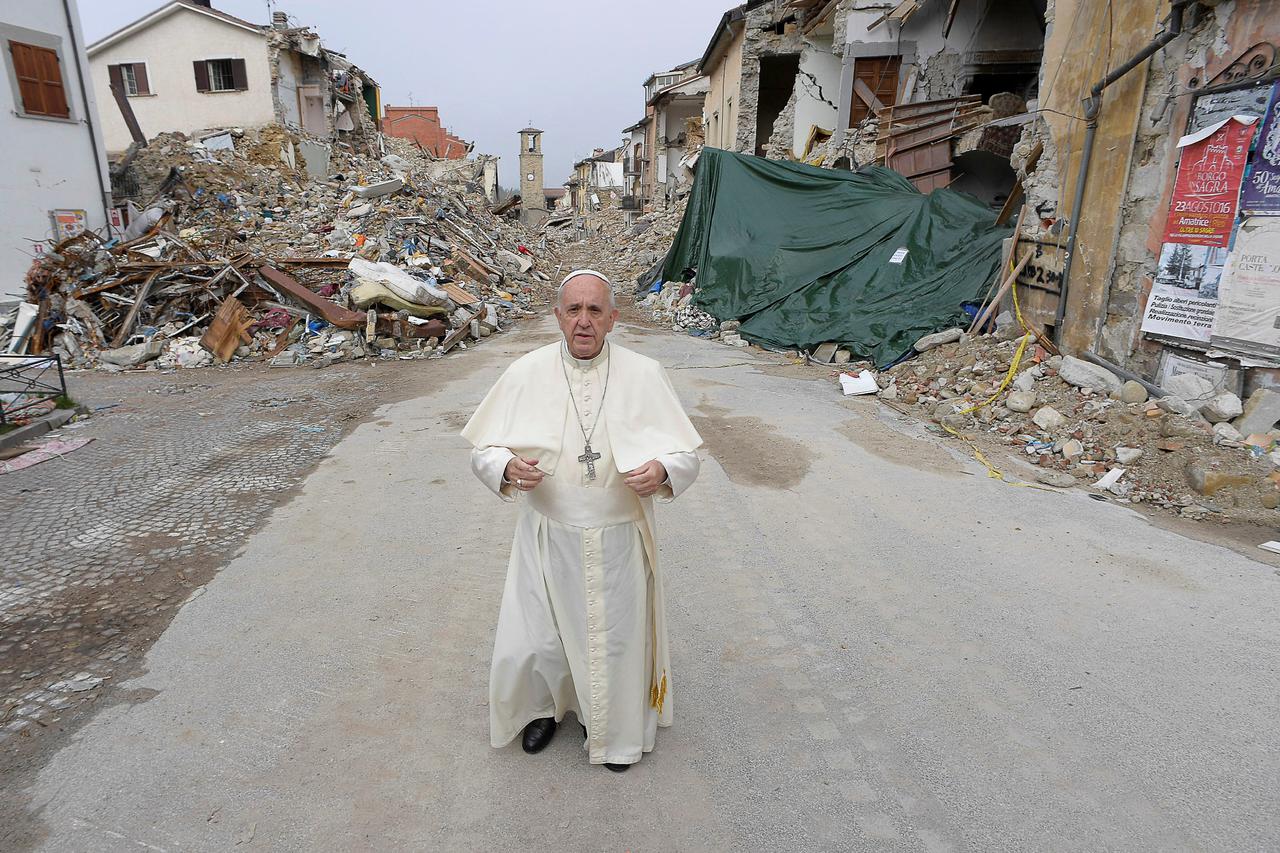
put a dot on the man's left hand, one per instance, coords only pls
(647, 479)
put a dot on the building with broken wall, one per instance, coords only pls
(191, 68)
(673, 106)
(1124, 300)
(423, 126)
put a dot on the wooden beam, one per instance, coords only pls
(864, 93)
(144, 290)
(130, 120)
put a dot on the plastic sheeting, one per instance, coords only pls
(803, 255)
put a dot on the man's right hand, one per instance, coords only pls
(523, 473)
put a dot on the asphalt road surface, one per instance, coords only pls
(875, 647)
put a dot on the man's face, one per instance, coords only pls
(585, 315)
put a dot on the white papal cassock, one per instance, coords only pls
(582, 625)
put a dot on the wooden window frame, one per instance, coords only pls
(204, 75)
(49, 46)
(142, 82)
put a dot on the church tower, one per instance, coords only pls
(533, 202)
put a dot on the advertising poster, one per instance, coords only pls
(1207, 189)
(1248, 316)
(67, 223)
(1184, 294)
(1261, 192)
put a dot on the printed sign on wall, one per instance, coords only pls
(1248, 317)
(1203, 208)
(1184, 295)
(1261, 192)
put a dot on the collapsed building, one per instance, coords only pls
(193, 69)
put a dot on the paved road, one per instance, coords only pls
(876, 648)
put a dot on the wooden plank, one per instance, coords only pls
(458, 295)
(863, 91)
(951, 18)
(144, 290)
(228, 330)
(313, 262)
(1004, 288)
(130, 120)
(332, 312)
(462, 331)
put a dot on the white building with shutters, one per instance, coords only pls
(55, 178)
(189, 67)
(184, 67)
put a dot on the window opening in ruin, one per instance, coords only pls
(777, 79)
(1023, 82)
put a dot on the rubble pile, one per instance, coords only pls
(237, 251)
(1198, 451)
(620, 249)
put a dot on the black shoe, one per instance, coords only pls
(618, 768)
(538, 734)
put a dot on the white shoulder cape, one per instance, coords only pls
(525, 410)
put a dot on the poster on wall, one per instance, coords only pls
(68, 223)
(1261, 192)
(1248, 316)
(1184, 293)
(1207, 188)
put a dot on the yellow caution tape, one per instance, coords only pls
(992, 471)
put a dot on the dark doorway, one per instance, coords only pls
(777, 79)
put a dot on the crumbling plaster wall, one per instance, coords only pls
(1227, 30)
(759, 39)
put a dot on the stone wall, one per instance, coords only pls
(760, 39)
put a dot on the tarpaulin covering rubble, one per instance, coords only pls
(804, 256)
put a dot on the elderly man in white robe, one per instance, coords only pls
(585, 434)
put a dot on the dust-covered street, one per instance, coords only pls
(858, 663)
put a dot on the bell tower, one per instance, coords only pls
(533, 204)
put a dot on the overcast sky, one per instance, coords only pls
(582, 86)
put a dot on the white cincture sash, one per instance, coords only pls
(585, 506)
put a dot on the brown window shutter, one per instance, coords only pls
(117, 78)
(202, 75)
(239, 78)
(24, 68)
(55, 98)
(39, 80)
(140, 77)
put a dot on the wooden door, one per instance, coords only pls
(880, 74)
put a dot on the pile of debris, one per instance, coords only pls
(241, 249)
(1196, 450)
(620, 247)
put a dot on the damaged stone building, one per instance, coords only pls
(1110, 162)
(1043, 107)
(191, 68)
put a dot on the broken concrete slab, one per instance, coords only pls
(1205, 481)
(1261, 412)
(937, 339)
(1083, 374)
(1048, 418)
(1222, 407)
(133, 355)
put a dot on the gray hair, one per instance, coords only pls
(608, 286)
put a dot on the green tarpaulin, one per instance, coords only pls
(803, 255)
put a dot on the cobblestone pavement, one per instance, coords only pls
(105, 545)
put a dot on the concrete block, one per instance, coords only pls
(1261, 412)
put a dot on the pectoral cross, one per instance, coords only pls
(589, 459)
